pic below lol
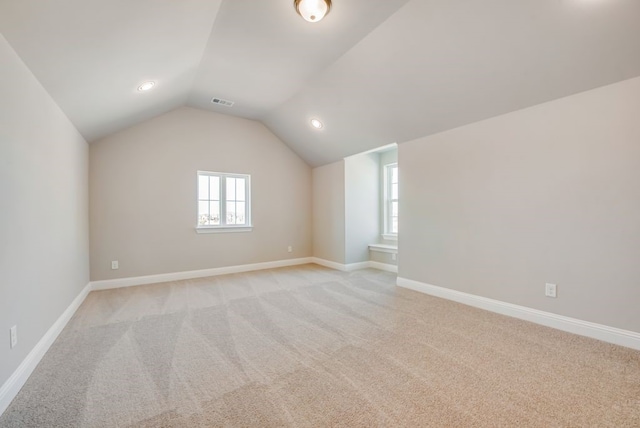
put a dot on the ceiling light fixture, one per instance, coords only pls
(146, 86)
(312, 10)
(316, 124)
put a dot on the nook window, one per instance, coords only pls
(391, 200)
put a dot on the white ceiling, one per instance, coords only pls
(374, 71)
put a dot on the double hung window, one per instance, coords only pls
(224, 202)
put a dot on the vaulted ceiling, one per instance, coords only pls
(373, 71)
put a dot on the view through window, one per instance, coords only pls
(391, 199)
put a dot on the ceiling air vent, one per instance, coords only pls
(221, 102)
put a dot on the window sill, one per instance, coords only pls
(388, 237)
(384, 248)
(224, 229)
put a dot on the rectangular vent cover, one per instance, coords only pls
(221, 102)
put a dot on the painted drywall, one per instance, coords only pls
(549, 194)
(346, 209)
(44, 233)
(380, 257)
(388, 157)
(329, 212)
(362, 205)
(143, 196)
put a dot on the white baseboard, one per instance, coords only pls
(354, 266)
(383, 266)
(329, 264)
(177, 276)
(605, 333)
(16, 381)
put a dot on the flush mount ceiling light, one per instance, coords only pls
(146, 86)
(316, 124)
(312, 10)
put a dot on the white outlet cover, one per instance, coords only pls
(114, 265)
(13, 333)
(550, 290)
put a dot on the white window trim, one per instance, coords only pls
(225, 228)
(387, 234)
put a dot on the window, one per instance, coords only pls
(224, 202)
(391, 201)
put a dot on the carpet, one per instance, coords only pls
(307, 346)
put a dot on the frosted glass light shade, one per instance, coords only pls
(146, 86)
(312, 10)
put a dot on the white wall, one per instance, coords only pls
(143, 195)
(388, 156)
(362, 205)
(546, 194)
(346, 215)
(44, 234)
(383, 257)
(328, 212)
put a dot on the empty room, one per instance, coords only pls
(319, 213)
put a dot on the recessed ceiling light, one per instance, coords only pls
(316, 124)
(146, 86)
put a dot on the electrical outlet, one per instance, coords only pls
(115, 265)
(550, 290)
(290, 248)
(13, 334)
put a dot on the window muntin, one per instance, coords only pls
(391, 199)
(223, 200)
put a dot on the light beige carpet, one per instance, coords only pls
(312, 347)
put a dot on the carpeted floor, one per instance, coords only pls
(307, 346)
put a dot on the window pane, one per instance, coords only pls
(240, 186)
(392, 200)
(203, 187)
(215, 188)
(231, 213)
(240, 213)
(214, 213)
(203, 213)
(231, 189)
